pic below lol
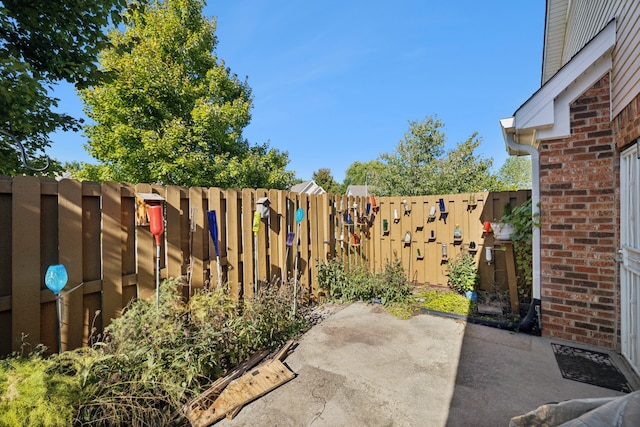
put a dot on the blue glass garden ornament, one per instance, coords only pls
(56, 278)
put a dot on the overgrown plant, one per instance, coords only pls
(151, 362)
(358, 284)
(463, 273)
(34, 392)
(524, 221)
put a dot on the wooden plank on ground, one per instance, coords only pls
(198, 411)
(252, 385)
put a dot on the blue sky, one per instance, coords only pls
(336, 82)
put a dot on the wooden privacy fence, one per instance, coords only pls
(99, 232)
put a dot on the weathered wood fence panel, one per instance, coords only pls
(93, 230)
(430, 243)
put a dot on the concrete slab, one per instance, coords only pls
(364, 367)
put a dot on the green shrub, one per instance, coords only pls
(446, 302)
(151, 362)
(358, 284)
(463, 273)
(33, 392)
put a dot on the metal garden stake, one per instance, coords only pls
(299, 217)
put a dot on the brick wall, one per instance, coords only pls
(579, 204)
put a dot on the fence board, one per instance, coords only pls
(234, 239)
(70, 237)
(303, 253)
(216, 203)
(173, 233)
(315, 246)
(248, 266)
(199, 247)
(25, 264)
(262, 255)
(277, 235)
(112, 249)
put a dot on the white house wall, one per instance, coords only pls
(584, 20)
(625, 77)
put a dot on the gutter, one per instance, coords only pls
(515, 148)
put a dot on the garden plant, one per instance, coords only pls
(150, 361)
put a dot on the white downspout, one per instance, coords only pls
(508, 124)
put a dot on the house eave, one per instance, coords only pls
(545, 115)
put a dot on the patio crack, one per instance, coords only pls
(321, 398)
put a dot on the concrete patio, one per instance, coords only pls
(363, 367)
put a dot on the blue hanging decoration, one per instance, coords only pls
(56, 278)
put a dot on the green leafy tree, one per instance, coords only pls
(408, 170)
(419, 165)
(43, 42)
(324, 179)
(172, 112)
(461, 171)
(362, 174)
(515, 173)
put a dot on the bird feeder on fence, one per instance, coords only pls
(143, 202)
(263, 206)
(406, 207)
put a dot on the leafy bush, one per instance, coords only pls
(523, 221)
(463, 273)
(332, 278)
(358, 284)
(151, 362)
(446, 302)
(33, 392)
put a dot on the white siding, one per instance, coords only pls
(625, 75)
(584, 20)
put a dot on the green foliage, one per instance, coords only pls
(445, 302)
(332, 278)
(523, 221)
(463, 273)
(45, 42)
(33, 392)
(419, 165)
(408, 170)
(358, 284)
(462, 172)
(172, 113)
(515, 173)
(324, 179)
(151, 362)
(361, 173)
